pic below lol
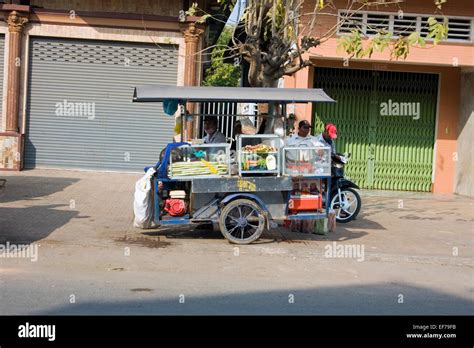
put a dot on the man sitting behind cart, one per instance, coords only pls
(213, 136)
(303, 138)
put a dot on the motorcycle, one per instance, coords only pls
(345, 200)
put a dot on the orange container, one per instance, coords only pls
(305, 202)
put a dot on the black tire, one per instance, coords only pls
(235, 225)
(335, 200)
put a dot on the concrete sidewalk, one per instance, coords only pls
(81, 207)
(416, 245)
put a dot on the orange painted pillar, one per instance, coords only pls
(446, 132)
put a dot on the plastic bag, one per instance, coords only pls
(321, 227)
(170, 106)
(143, 205)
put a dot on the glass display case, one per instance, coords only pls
(259, 154)
(307, 161)
(200, 160)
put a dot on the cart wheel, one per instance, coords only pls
(242, 221)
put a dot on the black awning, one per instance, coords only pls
(156, 93)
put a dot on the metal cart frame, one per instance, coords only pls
(219, 199)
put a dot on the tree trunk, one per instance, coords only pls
(273, 108)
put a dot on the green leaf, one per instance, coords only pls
(437, 31)
(432, 21)
(381, 41)
(413, 38)
(203, 18)
(220, 73)
(192, 10)
(352, 44)
(401, 48)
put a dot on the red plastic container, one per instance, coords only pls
(305, 203)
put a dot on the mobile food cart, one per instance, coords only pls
(246, 191)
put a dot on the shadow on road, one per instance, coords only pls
(205, 231)
(32, 187)
(30, 224)
(370, 299)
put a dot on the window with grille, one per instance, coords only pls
(404, 25)
(459, 29)
(350, 21)
(369, 23)
(376, 23)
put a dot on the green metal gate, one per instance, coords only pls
(386, 120)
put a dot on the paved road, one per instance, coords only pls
(417, 257)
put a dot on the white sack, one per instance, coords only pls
(143, 205)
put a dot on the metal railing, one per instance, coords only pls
(226, 124)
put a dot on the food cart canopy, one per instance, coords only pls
(155, 93)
